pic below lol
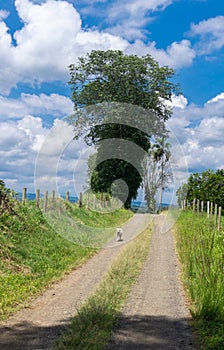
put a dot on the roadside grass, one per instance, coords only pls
(33, 254)
(84, 226)
(201, 251)
(92, 326)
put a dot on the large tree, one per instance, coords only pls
(103, 77)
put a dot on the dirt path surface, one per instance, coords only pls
(37, 327)
(156, 316)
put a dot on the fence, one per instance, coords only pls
(91, 201)
(213, 210)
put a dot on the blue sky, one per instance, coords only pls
(40, 38)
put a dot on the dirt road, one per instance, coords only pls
(156, 315)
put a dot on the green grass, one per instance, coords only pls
(84, 226)
(201, 251)
(92, 327)
(33, 253)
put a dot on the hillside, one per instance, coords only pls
(34, 253)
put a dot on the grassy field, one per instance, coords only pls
(91, 328)
(201, 251)
(34, 252)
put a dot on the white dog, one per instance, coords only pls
(119, 234)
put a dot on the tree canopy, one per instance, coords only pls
(205, 186)
(104, 77)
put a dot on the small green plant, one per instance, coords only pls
(201, 250)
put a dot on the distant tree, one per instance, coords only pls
(158, 173)
(181, 194)
(112, 76)
(206, 186)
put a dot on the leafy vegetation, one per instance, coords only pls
(103, 77)
(201, 251)
(158, 172)
(207, 186)
(92, 326)
(33, 255)
(6, 199)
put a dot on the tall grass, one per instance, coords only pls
(201, 250)
(33, 254)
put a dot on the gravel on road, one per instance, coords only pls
(156, 316)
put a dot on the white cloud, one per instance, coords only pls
(176, 55)
(47, 43)
(217, 98)
(136, 8)
(53, 104)
(19, 140)
(35, 156)
(211, 33)
(179, 101)
(128, 18)
(3, 14)
(199, 131)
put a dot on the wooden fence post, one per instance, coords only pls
(202, 206)
(215, 214)
(37, 198)
(80, 200)
(94, 201)
(87, 200)
(194, 205)
(67, 196)
(208, 209)
(24, 195)
(198, 206)
(45, 201)
(219, 218)
(53, 196)
(211, 208)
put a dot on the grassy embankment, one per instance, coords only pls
(92, 327)
(201, 250)
(33, 253)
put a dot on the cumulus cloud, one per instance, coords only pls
(128, 18)
(53, 104)
(199, 131)
(34, 156)
(211, 34)
(19, 142)
(47, 43)
(136, 8)
(61, 162)
(177, 55)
